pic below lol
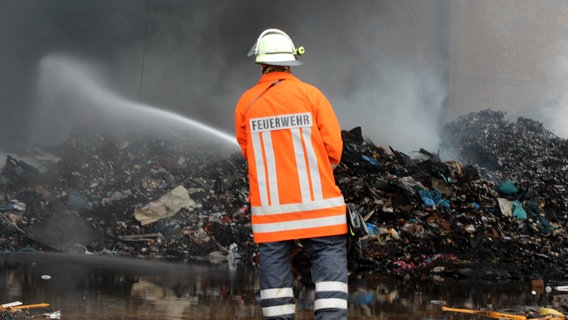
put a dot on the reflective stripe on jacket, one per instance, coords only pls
(290, 136)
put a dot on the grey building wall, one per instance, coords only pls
(508, 55)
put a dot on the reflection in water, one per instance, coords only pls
(107, 287)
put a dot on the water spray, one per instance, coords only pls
(79, 81)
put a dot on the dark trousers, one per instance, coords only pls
(329, 273)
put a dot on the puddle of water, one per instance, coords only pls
(108, 287)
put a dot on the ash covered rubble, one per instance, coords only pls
(116, 195)
(496, 212)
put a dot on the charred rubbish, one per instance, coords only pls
(497, 211)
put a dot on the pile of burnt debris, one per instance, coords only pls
(498, 211)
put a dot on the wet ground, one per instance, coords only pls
(111, 287)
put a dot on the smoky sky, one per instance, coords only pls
(382, 64)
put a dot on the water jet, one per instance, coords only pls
(72, 92)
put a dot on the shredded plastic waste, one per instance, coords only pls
(499, 208)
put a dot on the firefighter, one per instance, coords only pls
(291, 139)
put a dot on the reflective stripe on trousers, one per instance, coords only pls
(329, 273)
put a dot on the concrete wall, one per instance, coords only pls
(508, 55)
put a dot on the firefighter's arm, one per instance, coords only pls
(240, 130)
(330, 130)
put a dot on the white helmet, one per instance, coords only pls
(274, 47)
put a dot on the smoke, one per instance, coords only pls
(554, 114)
(556, 118)
(397, 105)
(385, 70)
(382, 64)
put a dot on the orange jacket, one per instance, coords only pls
(290, 136)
